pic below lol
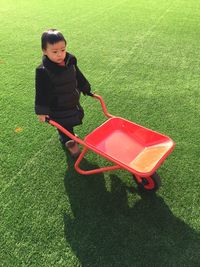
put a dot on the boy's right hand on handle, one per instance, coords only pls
(90, 94)
(42, 118)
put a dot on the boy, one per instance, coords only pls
(58, 85)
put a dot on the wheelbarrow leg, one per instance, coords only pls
(79, 170)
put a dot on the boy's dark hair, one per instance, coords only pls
(51, 36)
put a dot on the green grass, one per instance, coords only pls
(143, 58)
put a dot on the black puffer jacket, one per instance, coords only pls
(58, 91)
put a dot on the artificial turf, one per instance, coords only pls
(143, 58)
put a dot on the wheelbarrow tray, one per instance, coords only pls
(131, 146)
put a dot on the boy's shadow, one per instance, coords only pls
(104, 231)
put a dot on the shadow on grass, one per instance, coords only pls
(105, 231)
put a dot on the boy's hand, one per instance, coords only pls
(42, 118)
(90, 94)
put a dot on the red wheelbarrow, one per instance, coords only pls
(128, 146)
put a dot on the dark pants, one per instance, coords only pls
(63, 137)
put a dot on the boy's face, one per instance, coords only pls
(56, 52)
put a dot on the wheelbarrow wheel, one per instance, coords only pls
(148, 184)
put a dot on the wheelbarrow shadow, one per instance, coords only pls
(104, 230)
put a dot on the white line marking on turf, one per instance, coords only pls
(141, 38)
(28, 163)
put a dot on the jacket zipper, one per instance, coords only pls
(77, 91)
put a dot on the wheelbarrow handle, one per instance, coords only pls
(62, 129)
(103, 105)
(66, 132)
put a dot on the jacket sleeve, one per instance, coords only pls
(83, 84)
(42, 92)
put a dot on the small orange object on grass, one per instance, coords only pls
(18, 129)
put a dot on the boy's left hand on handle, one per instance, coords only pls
(42, 118)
